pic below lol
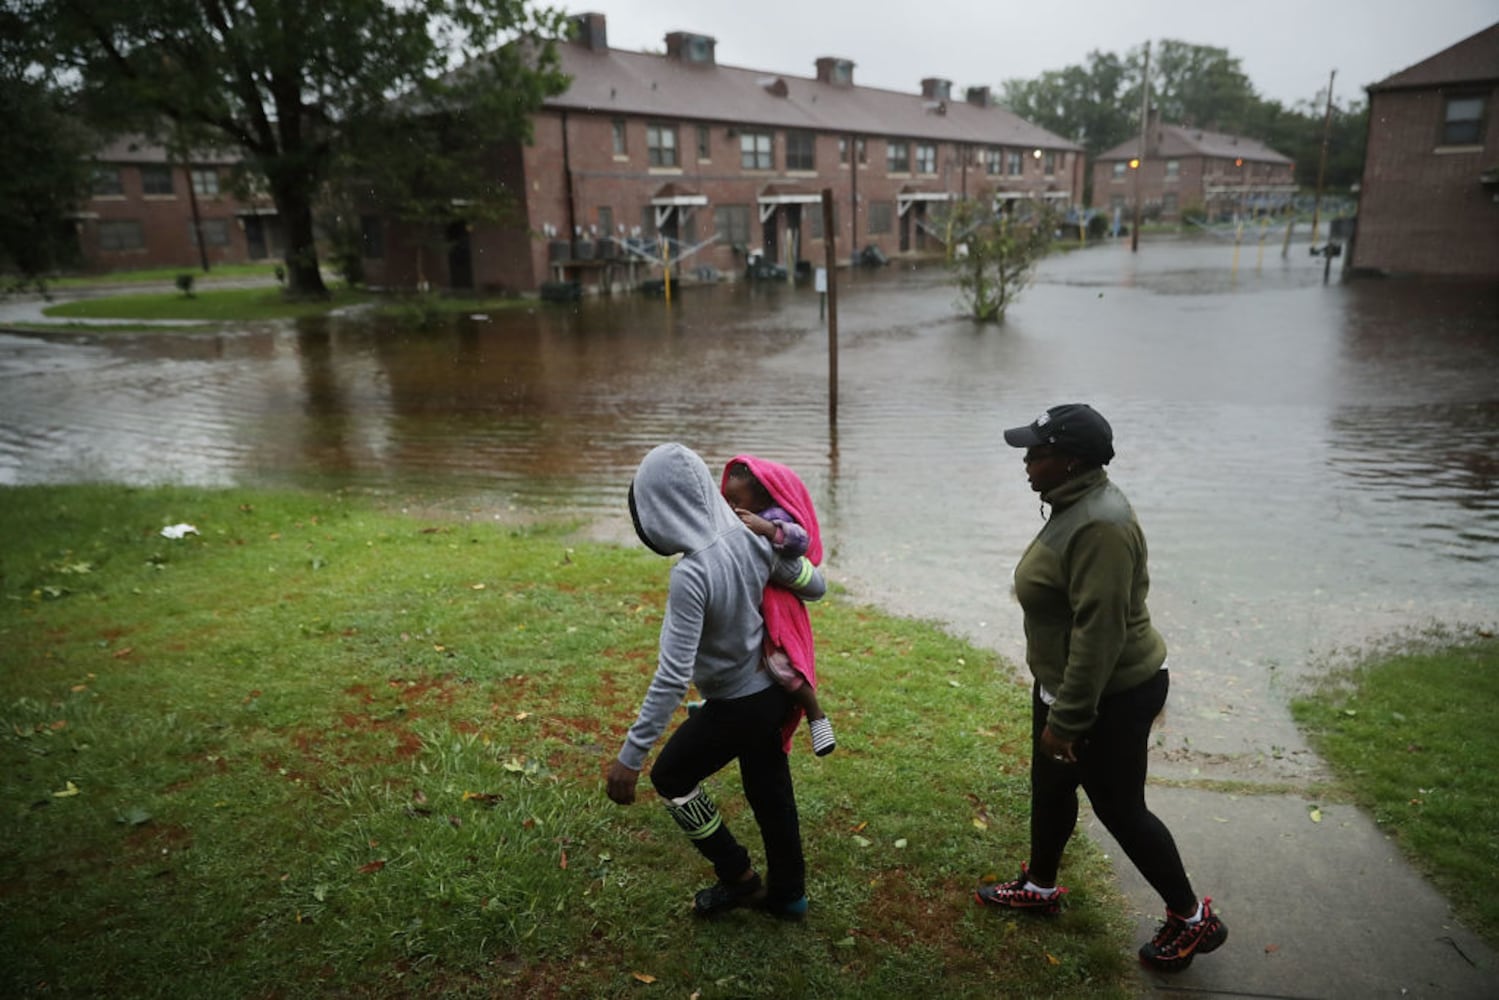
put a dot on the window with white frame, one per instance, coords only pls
(215, 232)
(801, 150)
(661, 145)
(732, 224)
(703, 143)
(926, 158)
(617, 133)
(121, 234)
(1173, 169)
(1049, 163)
(756, 151)
(1119, 169)
(205, 181)
(897, 157)
(1014, 163)
(156, 179)
(994, 161)
(108, 183)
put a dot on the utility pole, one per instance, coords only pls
(1322, 165)
(830, 261)
(1134, 229)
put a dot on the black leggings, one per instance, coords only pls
(1111, 769)
(748, 728)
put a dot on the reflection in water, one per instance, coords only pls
(1314, 465)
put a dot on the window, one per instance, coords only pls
(1173, 169)
(842, 151)
(879, 217)
(617, 127)
(661, 145)
(606, 220)
(703, 143)
(994, 162)
(732, 223)
(648, 228)
(121, 234)
(205, 181)
(156, 178)
(862, 151)
(371, 237)
(215, 232)
(1015, 162)
(755, 151)
(1169, 203)
(1119, 169)
(897, 157)
(926, 158)
(1462, 123)
(1049, 164)
(800, 151)
(107, 183)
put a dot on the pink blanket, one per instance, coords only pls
(787, 624)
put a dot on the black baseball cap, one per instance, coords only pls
(1075, 428)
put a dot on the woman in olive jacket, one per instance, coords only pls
(1100, 681)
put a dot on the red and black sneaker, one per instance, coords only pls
(1178, 942)
(1013, 895)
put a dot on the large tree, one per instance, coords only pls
(44, 169)
(299, 86)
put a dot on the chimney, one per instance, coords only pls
(687, 47)
(980, 96)
(935, 88)
(590, 32)
(838, 72)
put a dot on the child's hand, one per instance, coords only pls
(756, 523)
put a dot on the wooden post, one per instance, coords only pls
(666, 266)
(830, 254)
(1134, 229)
(1322, 164)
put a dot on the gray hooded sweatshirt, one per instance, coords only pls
(712, 632)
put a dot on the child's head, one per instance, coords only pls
(743, 490)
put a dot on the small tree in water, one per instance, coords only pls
(992, 252)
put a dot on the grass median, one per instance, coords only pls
(315, 747)
(1410, 732)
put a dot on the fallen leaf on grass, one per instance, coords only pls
(486, 798)
(979, 824)
(120, 654)
(1314, 814)
(67, 792)
(1054, 960)
(644, 977)
(862, 841)
(563, 862)
(373, 866)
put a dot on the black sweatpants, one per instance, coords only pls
(749, 729)
(1111, 767)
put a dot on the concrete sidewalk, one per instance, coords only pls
(1327, 910)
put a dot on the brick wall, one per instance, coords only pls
(1422, 209)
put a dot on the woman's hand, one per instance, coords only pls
(1057, 749)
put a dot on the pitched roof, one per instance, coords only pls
(615, 81)
(1475, 59)
(1176, 141)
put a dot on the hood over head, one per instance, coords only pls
(674, 502)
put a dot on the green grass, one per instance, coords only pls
(1412, 735)
(216, 304)
(318, 748)
(264, 269)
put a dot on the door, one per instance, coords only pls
(460, 256)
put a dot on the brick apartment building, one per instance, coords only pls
(143, 207)
(1226, 176)
(727, 163)
(1429, 199)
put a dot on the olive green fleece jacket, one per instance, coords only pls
(1082, 584)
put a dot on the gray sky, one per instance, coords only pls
(1286, 47)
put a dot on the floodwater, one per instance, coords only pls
(1316, 466)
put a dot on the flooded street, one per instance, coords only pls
(1315, 466)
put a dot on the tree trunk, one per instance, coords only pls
(304, 278)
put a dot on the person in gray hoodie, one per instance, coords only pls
(712, 636)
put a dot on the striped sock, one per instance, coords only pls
(823, 742)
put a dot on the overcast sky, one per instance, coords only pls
(1286, 47)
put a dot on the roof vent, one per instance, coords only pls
(980, 96)
(775, 85)
(934, 88)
